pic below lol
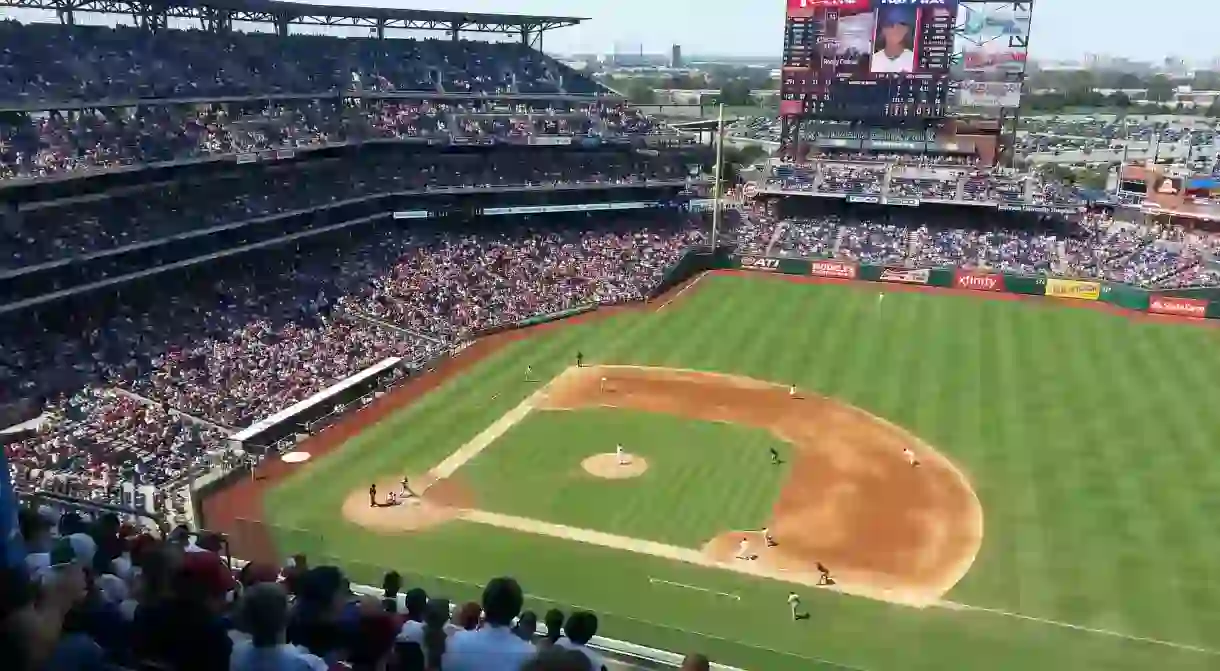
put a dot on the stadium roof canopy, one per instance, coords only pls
(224, 12)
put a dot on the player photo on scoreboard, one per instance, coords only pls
(852, 44)
(894, 39)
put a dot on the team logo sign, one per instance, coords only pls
(750, 191)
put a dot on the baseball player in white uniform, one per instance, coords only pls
(622, 456)
(529, 373)
(910, 455)
(794, 603)
(768, 538)
(601, 386)
(743, 549)
(792, 391)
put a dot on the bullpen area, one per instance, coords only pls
(947, 480)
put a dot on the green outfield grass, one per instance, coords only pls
(718, 476)
(1089, 439)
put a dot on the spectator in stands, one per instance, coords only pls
(416, 602)
(558, 659)
(187, 631)
(554, 627)
(476, 650)
(696, 662)
(389, 591)
(263, 619)
(578, 631)
(469, 616)
(527, 626)
(436, 633)
(371, 643)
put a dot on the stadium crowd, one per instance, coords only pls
(92, 592)
(56, 63)
(46, 232)
(63, 143)
(274, 333)
(1101, 248)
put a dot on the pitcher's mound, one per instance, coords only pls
(607, 466)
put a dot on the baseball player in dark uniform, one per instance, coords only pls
(580, 359)
(373, 495)
(774, 456)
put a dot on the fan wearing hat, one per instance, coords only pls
(895, 39)
(187, 631)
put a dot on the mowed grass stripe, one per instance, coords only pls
(707, 477)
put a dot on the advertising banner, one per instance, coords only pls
(550, 140)
(1182, 307)
(989, 94)
(905, 202)
(1083, 291)
(836, 269)
(762, 263)
(906, 275)
(875, 200)
(963, 279)
(993, 39)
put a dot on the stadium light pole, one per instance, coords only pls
(719, 171)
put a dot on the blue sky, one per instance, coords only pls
(1060, 29)
(754, 27)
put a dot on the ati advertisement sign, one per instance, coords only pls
(1182, 307)
(836, 269)
(1081, 291)
(906, 276)
(759, 263)
(978, 281)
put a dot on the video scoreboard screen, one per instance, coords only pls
(867, 58)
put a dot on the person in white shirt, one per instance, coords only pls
(895, 54)
(579, 630)
(494, 647)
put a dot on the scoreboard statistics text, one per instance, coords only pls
(867, 58)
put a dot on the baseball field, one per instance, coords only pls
(1062, 515)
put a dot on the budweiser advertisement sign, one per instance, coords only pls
(978, 281)
(836, 269)
(1182, 307)
(906, 276)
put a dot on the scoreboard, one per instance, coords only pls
(867, 59)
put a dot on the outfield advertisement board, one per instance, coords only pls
(1075, 289)
(906, 275)
(762, 263)
(974, 281)
(836, 269)
(1181, 307)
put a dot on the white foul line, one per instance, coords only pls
(683, 585)
(1076, 627)
(682, 291)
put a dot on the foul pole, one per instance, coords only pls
(719, 172)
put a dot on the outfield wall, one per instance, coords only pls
(1195, 303)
